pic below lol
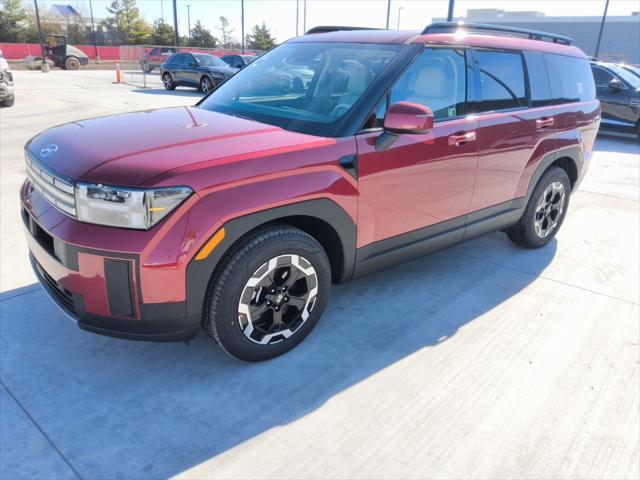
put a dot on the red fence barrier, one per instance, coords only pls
(18, 51)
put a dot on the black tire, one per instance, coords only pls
(222, 319)
(72, 63)
(8, 102)
(207, 85)
(524, 232)
(168, 82)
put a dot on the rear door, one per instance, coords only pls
(507, 131)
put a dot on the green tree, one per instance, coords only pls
(201, 37)
(260, 38)
(163, 33)
(225, 30)
(126, 26)
(13, 19)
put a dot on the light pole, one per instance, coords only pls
(242, 22)
(162, 9)
(604, 17)
(175, 23)
(304, 17)
(189, 25)
(388, 13)
(93, 32)
(44, 60)
(399, 12)
(297, 15)
(450, 12)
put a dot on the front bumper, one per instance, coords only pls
(99, 289)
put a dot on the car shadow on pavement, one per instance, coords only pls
(124, 409)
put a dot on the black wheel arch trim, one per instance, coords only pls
(572, 153)
(201, 272)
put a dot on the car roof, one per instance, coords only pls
(459, 38)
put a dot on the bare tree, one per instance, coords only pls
(225, 31)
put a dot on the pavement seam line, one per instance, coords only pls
(609, 195)
(44, 434)
(549, 279)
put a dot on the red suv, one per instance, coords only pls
(237, 214)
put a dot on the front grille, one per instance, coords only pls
(60, 293)
(53, 187)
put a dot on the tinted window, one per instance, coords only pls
(601, 76)
(436, 79)
(502, 84)
(571, 79)
(176, 60)
(206, 60)
(538, 79)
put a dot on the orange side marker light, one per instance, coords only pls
(211, 244)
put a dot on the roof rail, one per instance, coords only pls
(448, 27)
(334, 28)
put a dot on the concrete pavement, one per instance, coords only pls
(482, 361)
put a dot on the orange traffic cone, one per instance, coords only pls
(118, 75)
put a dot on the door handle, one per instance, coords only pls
(461, 139)
(545, 122)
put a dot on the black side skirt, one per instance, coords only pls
(401, 248)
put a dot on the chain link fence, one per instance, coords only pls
(140, 64)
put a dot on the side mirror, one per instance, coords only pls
(615, 85)
(404, 117)
(191, 64)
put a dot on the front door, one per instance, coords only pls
(423, 183)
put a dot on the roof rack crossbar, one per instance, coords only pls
(335, 28)
(448, 27)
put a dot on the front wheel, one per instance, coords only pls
(72, 63)
(268, 294)
(8, 102)
(545, 211)
(167, 81)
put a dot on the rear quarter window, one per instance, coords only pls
(538, 79)
(570, 78)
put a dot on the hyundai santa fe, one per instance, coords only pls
(237, 214)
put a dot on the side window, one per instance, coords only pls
(573, 76)
(436, 79)
(538, 79)
(502, 84)
(178, 60)
(602, 77)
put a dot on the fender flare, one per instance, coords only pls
(200, 272)
(571, 152)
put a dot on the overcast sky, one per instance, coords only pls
(280, 15)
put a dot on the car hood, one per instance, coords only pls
(132, 148)
(224, 70)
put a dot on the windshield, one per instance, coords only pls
(205, 60)
(626, 75)
(303, 87)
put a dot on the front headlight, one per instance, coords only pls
(139, 208)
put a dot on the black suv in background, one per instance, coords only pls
(618, 90)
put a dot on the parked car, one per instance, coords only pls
(618, 90)
(237, 60)
(156, 57)
(200, 70)
(236, 215)
(7, 96)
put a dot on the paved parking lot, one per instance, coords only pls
(482, 361)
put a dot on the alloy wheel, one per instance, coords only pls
(549, 209)
(206, 86)
(166, 79)
(278, 298)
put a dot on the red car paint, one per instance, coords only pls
(237, 167)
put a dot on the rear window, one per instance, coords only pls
(502, 84)
(571, 79)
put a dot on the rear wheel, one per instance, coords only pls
(545, 211)
(72, 63)
(206, 85)
(167, 81)
(8, 102)
(268, 295)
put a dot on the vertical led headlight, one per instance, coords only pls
(138, 208)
